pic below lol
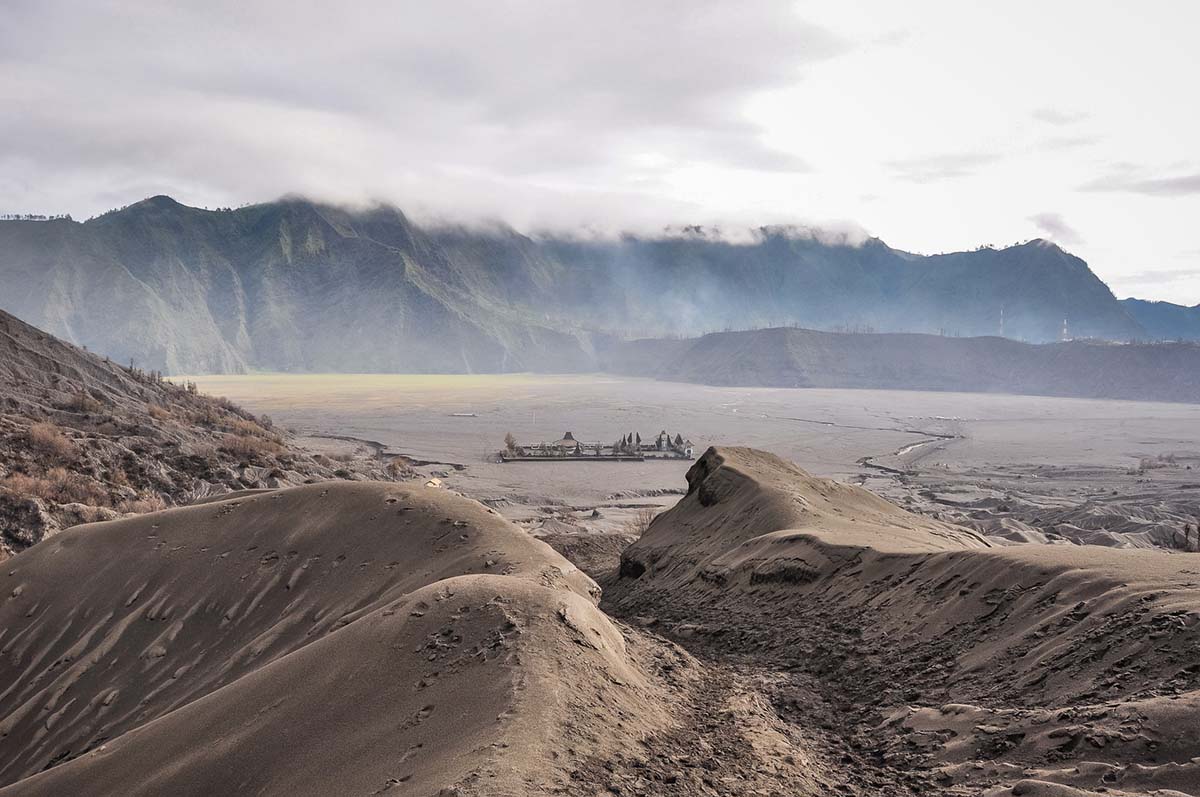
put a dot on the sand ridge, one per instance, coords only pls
(752, 513)
(468, 685)
(902, 619)
(254, 643)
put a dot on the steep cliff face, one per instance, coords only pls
(685, 285)
(289, 285)
(299, 286)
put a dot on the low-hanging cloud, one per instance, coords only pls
(517, 109)
(1161, 276)
(1059, 143)
(1056, 228)
(1059, 116)
(936, 168)
(1127, 181)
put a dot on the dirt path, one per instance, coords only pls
(756, 724)
(747, 730)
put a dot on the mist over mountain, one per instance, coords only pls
(296, 285)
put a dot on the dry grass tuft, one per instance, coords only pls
(81, 402)
(59, 486)
(638, 524)
(49, 439)
(201, 450)
(249, 446)
(244, 427)
(119, 477)
(398, 468)
(151, 502)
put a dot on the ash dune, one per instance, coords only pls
(1025, 669)
(737, 494)
(305, 641)
(376, 638)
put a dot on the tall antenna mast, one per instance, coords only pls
(1001, 320)
(1064, 330)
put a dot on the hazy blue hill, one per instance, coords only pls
(299, 285)
(1164, 320)
(1037, 284)
(785, 357)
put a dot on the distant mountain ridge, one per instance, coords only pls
(785, 357)
(295, 285)
(1164, 320)
(287, 286)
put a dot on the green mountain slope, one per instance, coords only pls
(296, 285)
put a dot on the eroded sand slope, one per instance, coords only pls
(952, 666)
(321, 639)
(83, 439)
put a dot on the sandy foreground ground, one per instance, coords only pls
(1118, 473)
(770, 632)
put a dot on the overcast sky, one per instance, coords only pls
(933, 125)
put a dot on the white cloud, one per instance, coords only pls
(942, 167)
(1059, 116)
(483, 104)
(1173, 185)
(913, 120)
(1055, 228)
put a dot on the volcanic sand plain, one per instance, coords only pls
(772, 632)
(999, 462)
